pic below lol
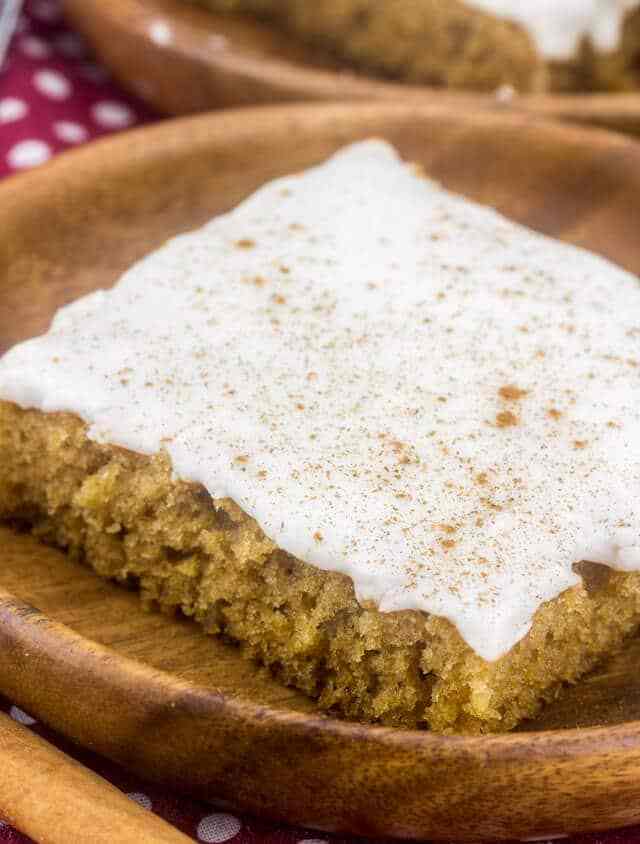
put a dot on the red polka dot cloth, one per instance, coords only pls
(53, 96)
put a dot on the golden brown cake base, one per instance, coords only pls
(123, 515)
(430, 41)
(446, 44)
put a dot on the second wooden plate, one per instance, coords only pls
(182, 59)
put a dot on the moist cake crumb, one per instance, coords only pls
(125, 515)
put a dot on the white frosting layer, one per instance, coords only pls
(558, 26)
(395, 382)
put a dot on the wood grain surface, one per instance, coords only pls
(155, 694)
(218, 61)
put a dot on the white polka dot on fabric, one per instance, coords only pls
(12, 109)
(28, 153)
(112, 115)
(160, 33)
(52, 84)
(214, 829)
(140, 799)
(21, 717)
(313, 841)
(45, 10)
(34, 47)
(70, 132)
(70, 45)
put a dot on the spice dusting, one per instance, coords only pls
(416, 393)
(512, 393)
(506, 419)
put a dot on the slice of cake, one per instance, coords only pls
(446, 43)
(378, 435)
(572, 45)
(588, 45)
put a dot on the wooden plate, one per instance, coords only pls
(157, 695)
(182, 59)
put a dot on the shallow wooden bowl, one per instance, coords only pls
(182, 59)
(157, 695)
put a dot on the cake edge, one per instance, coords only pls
(124, 515)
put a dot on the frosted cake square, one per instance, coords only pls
(379, 436)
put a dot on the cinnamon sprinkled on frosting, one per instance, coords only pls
(505, 419)
(343, 356)
(511, 393)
